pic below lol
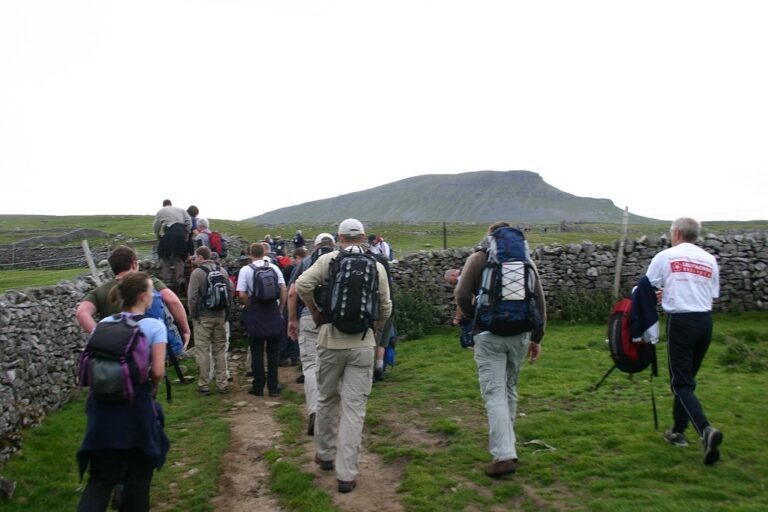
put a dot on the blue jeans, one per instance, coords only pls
(499, 359)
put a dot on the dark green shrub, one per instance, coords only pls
(415, 314)
(584, 306)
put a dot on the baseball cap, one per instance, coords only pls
(351, 227)
(322, 236)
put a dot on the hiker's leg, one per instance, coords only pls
(329, 371)
(273, 361)
(257, 362)
(105, 470)
(517, 350)
(179, 268)
(139, 478)
(203, 337)
(491, 359)
(165, 269)
(308, 350)
(228, 331)
(685, 357)
(219, 351)
(355, 389)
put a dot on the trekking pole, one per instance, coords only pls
(604, 377)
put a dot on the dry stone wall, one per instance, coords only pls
(587, 267)
(40, 341)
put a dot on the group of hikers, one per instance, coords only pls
(336, 304)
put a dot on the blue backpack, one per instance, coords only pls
(506, 300)
(159, 310)
(175, 348)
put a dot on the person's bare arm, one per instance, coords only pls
(176, 308)
(157, 371)
(84, 315)
(293, 306)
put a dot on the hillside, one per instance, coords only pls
(482, 196)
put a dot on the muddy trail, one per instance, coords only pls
(244, 484)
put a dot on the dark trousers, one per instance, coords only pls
(257, 362)
(688, 338)
(108, 468)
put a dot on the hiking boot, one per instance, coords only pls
(223, 391)
(347, 486)
(378, 374)
(274, 394)
(300, 379)
(311, 425)
(675, 438)
(325, 465)
(204, 391)
(501, 467)
(256, 392)
(711, 439)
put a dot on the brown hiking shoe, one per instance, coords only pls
(501, 467)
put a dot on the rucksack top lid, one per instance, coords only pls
(506, 243)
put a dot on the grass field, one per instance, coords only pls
(428, 418)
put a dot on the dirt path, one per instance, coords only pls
(244, 485)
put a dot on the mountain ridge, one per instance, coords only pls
(477, 196)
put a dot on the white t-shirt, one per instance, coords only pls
(690, 278)
(245, 276)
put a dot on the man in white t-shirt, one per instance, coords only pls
(689, 279)
(263, 322)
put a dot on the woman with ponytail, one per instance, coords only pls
(124, 442)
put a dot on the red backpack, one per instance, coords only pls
(628, 356)
(217, 243)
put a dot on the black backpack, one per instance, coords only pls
(352, 298)
(217, 295)
(506, 303)
(265, 285)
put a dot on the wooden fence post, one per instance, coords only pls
(89, 259)
(620, 257)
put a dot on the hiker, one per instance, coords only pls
(193, 212)
(466, 338)
(289, 347)
(124, 442)
(345, 359)
(301, 327)
(298, 240)
(689, 279)
(499, 357)
(451, 277)
(172, 227)
(122, 261)
(260, 286)
(216, 259)
(279, 246)
(208, 312)
(203, 233)
(386, 333)
(377, 245)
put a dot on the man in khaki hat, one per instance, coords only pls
(345, 363)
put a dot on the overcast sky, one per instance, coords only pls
(241, 107)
